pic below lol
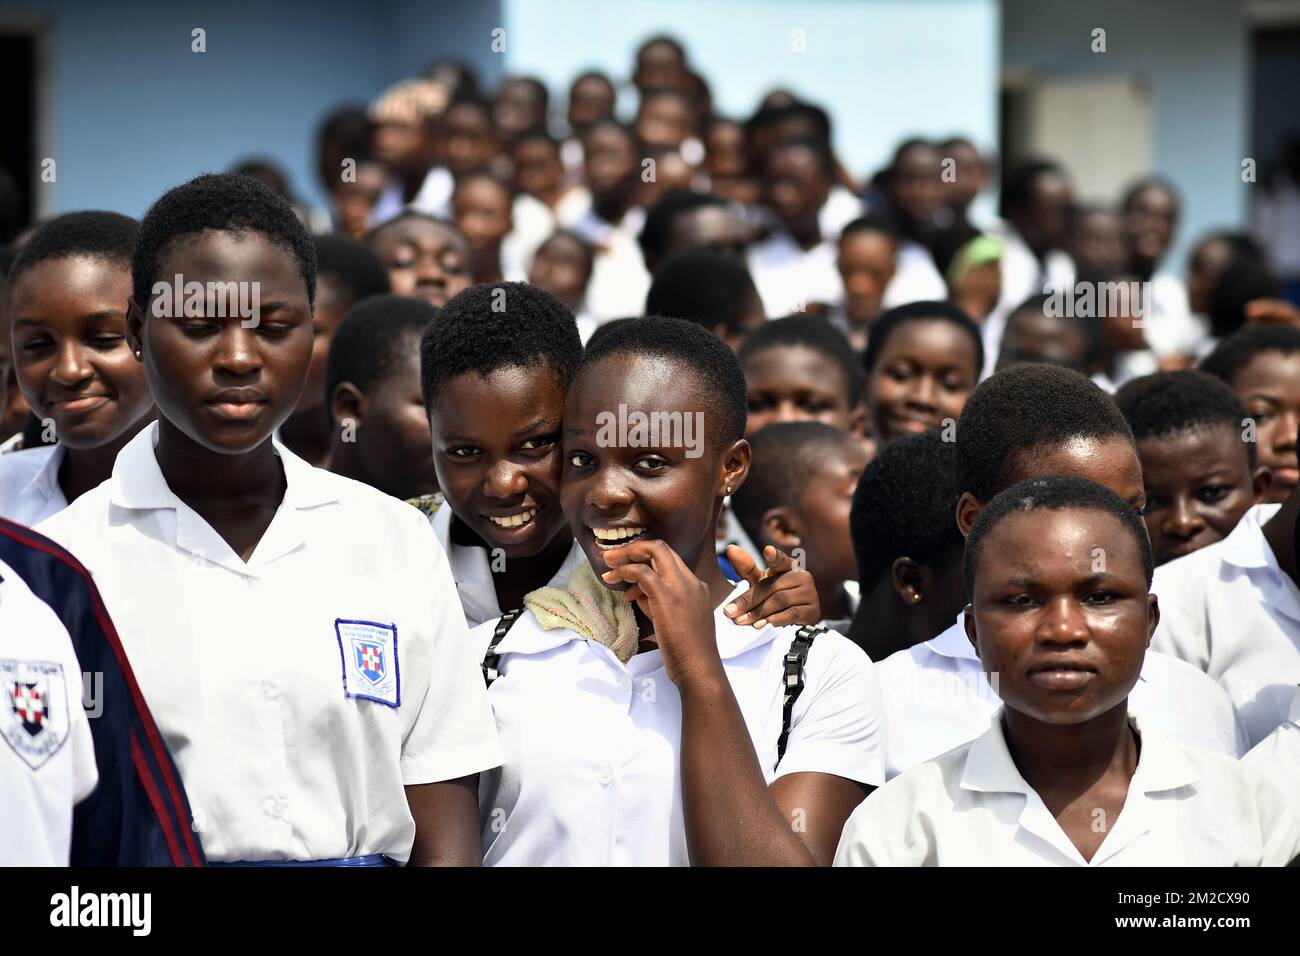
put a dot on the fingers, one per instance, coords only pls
(655, 553)
(744, 564)
(778, 562)
(640, 576)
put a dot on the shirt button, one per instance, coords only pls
(606, 777)
(269, 691)
(250, 582)
(275, 807)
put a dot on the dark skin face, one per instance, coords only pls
(1097, 243)
(1112, 463)
(923, 376)
(866, 263)
(797, 187)
(1149, 222)
(222, 389)
(671, 497)
(725, 150)
(818, 522)
(482, 210)
(390, 450)
(1066, 635)
(1198, 485)
(610, 165)
(660, 67)
(496, 449)
(1042, 221)
(590, 99)
(916, 187)
(664, 121)
(518, 107)
(425, 259)
(538, 169)
(1033, 336)
(354, 201)
(72, 359)
(563, 268)
(971, 176)
(1269, 388)
(1207, 264)
(469, 139)
(794, 383)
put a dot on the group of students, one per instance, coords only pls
(547, 662)
(369, 578)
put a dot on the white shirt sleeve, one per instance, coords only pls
(838, 723)
(454, 734)
(85, 773)
(886, 830)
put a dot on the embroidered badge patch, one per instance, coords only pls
(33, 709)
(369, 652)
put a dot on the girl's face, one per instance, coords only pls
(1209, 259)
(866, 265)
(71, 357)
(496, 448)
(1269, 388)
(1198, 485)
(824, 510)
(563, 268)
(1065, 634)
(228, 382)
(482, 211)
(393, 440)
(923, 375)
(794, 383)
(618, 488)
(425, 259)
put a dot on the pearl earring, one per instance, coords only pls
(916, 598)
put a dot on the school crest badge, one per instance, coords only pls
(34, 717)
(370, 666)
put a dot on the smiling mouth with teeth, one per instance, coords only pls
(610, 538)
(513, 521)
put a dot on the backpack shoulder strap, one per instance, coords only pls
(795, 659)
(491, 658)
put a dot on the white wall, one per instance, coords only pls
(884, 69)
(1193, 55)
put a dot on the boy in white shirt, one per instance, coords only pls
(1058, 569)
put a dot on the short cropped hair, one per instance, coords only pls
(1171, 403)
(372, 338)
(107, 236)
(1243, 346)
(814, 333)
(1053, 493)
(895, 318)
(703, 286)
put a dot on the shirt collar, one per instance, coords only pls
(990, 769)
(138, 482)
(45, 482)
(1245, 546)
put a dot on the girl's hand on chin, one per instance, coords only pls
(678, 603)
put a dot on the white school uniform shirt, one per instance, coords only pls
(592, 772)
(937, 697)
(29, 484)
(47, 757)
(916, 277)
(789, 277)
(971, 807)
(300, 692)
(1277, 756)
(619, 281)
(1230, 611)
(471, 569)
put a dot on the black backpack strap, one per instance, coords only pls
(795, 658)
(491, 658)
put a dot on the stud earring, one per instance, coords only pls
(916, 598)
(728, 491)
(138, 354)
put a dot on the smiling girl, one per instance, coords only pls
(68, 293)
(641, 725)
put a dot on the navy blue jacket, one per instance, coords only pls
(138, 815)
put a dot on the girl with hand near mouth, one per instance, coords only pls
(268, 579)
(494, 369)
(1065, 776)
(68, 293)
(641, 725)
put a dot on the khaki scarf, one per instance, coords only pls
(591, 609)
